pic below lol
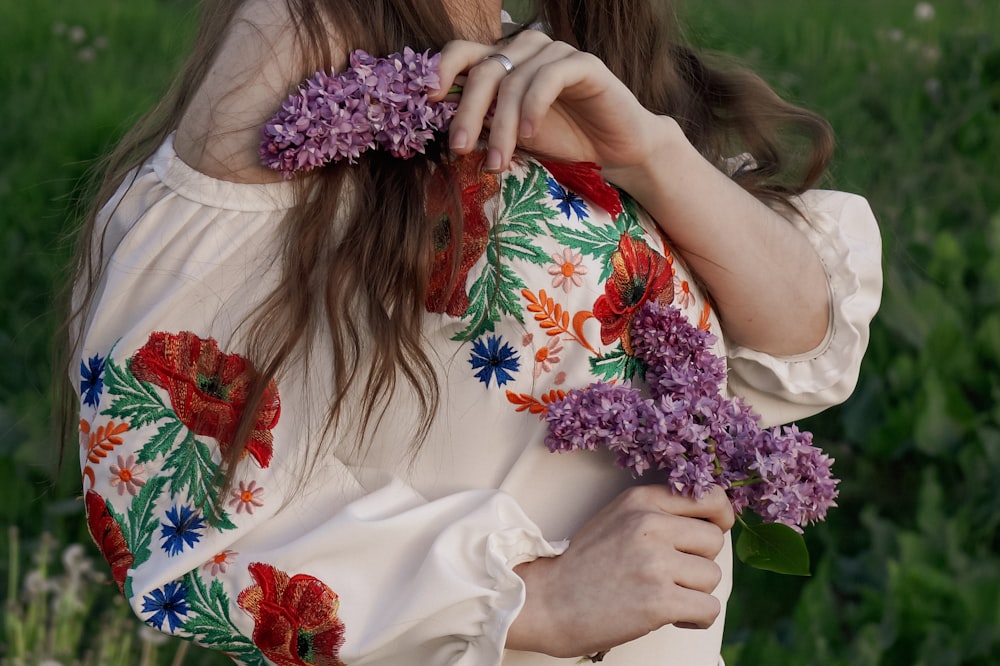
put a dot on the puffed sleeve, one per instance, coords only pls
(304, 560)
(843, 231)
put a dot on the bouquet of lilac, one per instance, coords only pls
(697, 438)
(375, 102)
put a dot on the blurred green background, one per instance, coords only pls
(906, 571)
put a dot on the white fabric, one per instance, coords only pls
(421, 555)
(842, 229)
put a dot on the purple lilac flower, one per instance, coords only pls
(374, 103)
(691, 433)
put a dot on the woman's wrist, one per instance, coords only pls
(665, 142)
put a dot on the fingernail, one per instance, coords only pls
(492, 162)
(525, 130)
(459, 140)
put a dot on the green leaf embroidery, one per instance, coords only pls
(773, 547)
(134, 401)
(194, 471)
(495, 292)
(210, 623)
(523, 206)
(142, 521)
(492, 295)
(598, 241)
(615, 365)
(162, 441)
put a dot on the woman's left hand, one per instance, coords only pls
(557, 102)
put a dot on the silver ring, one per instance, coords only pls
(503, 60)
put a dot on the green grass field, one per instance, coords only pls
(906, 571)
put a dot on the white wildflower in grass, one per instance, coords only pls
(48, 618)
(77, 34)
(894, 35)
(924, 11)
(932, 87)
(59, 28)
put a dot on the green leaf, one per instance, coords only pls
(134, 401)
(523, 201)
(211, 624)
(495, 293)
(194, 471)
(773, 547)
(615, 365)
(596, 241)
(162, 441)
(142, 522)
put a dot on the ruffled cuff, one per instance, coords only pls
(504, 551)
(844, 233)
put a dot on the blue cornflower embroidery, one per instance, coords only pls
(494, 359)
(92, 380)
(166, 605)
(567, 201)
(181, 529)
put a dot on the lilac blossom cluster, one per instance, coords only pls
(690, 432)
(375, 102)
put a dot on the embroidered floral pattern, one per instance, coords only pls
(585, 178)
(639, 274)
(295, 618)
(208, 389)
(168, 605)
(98, 442)
(446, 293)
(682, 292)
(247, 496)
(92, 380)
(568, 202)
(495, 359)
(219, 564)
(547, 356)
(107, 534)
(567, 269)
(181, 530)
(127, 475)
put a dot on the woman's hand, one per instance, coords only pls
(557, 102)
(645, 561)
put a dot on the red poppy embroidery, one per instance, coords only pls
(446, 293)
(639, 274)
(295, 619)
(208, 389)
(107, 534)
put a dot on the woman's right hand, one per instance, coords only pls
(645, 561)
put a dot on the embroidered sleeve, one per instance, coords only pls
(362, 568)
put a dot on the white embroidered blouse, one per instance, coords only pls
(379, 561)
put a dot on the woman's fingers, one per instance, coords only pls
(646, 560)
(492, 88)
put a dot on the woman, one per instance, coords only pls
(308, 407)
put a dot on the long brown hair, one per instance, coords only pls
(342, 283)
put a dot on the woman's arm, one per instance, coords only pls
(766, 281)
